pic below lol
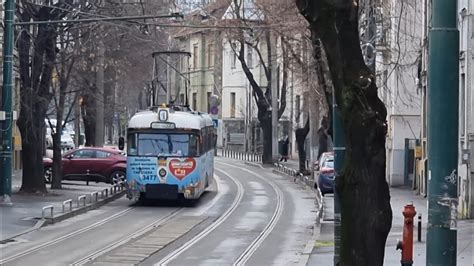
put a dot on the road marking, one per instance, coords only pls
(64, 237)
(126, 239)
(245, 256)
(238, 198)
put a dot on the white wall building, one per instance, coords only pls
(466, 108)
(398, 57)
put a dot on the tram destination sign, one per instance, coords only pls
(162, 125)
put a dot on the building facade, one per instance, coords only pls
(466, 110)
(399, 42)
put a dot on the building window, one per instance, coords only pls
(232, 104)
(181, 98)
(249, 56)
(298, 108)
(194, 100)
(195, 56)
(208, 102)
(210, 56)
(233, 55)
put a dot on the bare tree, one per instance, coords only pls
(366, 213)
(256, 39)
(67, 55)
(127, 62)
(37, 54)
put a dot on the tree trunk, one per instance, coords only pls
(301, 134)
(77, 122)
(57, 154)
(88, 116)
(35, 75)
(100, 97)
(266, 125)
(57, 161)
(366, 214)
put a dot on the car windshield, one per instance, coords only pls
(178, 145)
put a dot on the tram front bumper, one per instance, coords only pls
(161, 191)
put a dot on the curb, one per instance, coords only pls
(64, 216)
(40, 223)
(84, 209)
(258, 165)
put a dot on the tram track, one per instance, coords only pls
(257, 242)
(238, 198)
(244, 256)
(130, 237)
(65, 237)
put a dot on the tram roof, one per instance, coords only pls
(182, 120)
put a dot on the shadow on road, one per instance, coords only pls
(180, 202)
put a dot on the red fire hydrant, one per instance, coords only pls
(407, 244)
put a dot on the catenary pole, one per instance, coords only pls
(7, 106)
(443, 102)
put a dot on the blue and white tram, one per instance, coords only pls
(169, 153)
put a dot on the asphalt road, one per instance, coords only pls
(248, 216)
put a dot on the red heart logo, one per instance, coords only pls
(181, 168)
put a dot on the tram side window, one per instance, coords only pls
(205, 140)
(132, 144)
(193, 145)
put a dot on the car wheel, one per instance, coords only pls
(117, 177)
(48, 174)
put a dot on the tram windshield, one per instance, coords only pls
(168, 145)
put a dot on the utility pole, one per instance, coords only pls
(339, 152)
(443, 103)
(100, 97)
(274, 88)
(292, 117)
(7, 106)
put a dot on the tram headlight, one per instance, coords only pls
(162, 172)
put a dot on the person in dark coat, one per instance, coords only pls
(284, 150)
(323, 137)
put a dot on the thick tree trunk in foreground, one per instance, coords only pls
(366, 212)
(301, 134)
(36, 68)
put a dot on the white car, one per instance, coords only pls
(67, 143)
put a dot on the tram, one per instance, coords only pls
(170, 153)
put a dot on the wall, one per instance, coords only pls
(397, 73)
(401, 127)
(466, 107)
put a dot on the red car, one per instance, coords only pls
(90, 164)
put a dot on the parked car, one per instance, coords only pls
(325, 173)
(317, 164)
(90, 164)
(67, 143)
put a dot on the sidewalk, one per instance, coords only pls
(27, 208)
(294, 164)
(324, 247)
